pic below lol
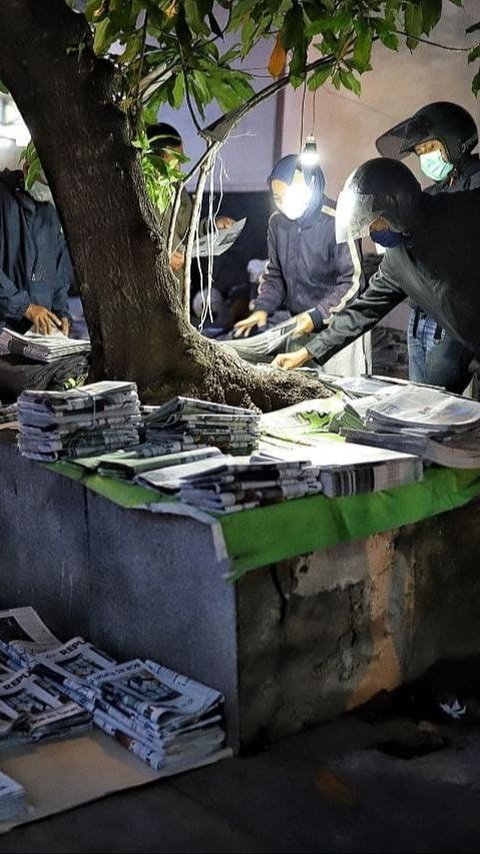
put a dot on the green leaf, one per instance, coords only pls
(214, 25)
(133, 48)
(363, 46)
(292, 32)
(329, 23)
(350, 82)
(3, 88)
(178, 92)
(476, 83)
(104, 37)
(474, 54)
(431, 14)
(194, 15)
(319, 77)
(413, 24)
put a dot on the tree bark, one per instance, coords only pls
(132, 305)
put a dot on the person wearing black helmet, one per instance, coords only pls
(432, 255)
(443, 136)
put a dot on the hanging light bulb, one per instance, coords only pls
(309, 155)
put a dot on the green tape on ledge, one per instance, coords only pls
(125, 494)
(266, 535)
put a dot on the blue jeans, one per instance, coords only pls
(434, 356)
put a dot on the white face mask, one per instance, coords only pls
(295, 200)
(41, 192)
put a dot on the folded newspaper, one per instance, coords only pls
(80, 422)
(184, 423)
(218, 241)
(347, 469)
(53, 690)
(229, 484)
(260, 349)
(124, 465)
(41, 348)
(440, 427)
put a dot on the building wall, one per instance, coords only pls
(346, 126)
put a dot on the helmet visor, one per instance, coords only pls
(354, 215)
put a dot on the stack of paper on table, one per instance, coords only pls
(440, 427)
(79, 422)
(126, 465)
(184, 423)
(228, 484)
(41, 348)
(346, 469)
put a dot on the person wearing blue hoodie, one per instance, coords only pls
(309, 275)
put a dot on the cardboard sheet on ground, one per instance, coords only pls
(60, 775)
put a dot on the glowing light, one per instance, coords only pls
(309, 155)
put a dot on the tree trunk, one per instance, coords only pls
(131, 299)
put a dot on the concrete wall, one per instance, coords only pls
(289, 645)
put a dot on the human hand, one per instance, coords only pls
(244, 327)
(65, 326)
(224, 222)
(177, 260)
(288, 361)
(44, 321)
(304, 325)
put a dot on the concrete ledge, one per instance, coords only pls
(290, 644)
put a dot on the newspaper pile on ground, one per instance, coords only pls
(184, 423)
(32, 708)
(164, 718)
(13, 801)
(40, 348)
(300, 432)
(80, 422)
(442, 428)
(228, 484)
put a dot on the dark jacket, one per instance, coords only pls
(438, 268)
(307, 269)
(465, 176)
(35, 267)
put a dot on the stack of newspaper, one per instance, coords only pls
(127, 465)
(31, 709)
(346, 469)
(8, 412)
(167, 720)
(13, 801)
(164, 718)
(440, 427)
(228, 484)
(40, 348)
(183, 423)
(79, 422)
(301, 432)
(261, 349)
